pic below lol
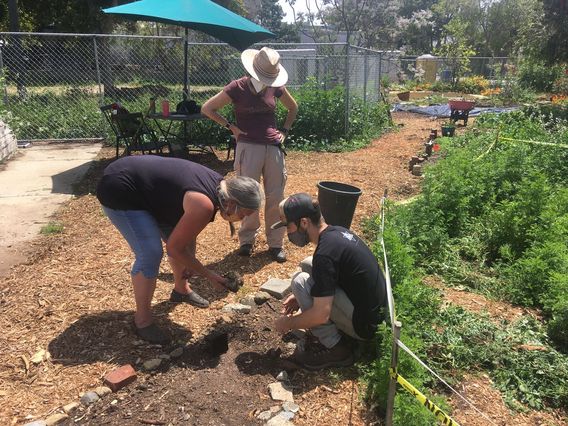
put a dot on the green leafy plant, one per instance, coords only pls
(538, 76)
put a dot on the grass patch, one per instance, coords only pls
(52, 228)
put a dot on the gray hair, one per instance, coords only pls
(242, 190)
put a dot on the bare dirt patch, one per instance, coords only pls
(497, 310)
(480, 391)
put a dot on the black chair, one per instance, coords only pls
(133, 130)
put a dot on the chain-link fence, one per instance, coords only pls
(443, 69)
(54, 83)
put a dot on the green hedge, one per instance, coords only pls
(320, 124)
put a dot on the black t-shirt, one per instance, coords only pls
(156, 184)
(342, 260)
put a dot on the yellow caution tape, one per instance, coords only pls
(437, 411)
(557, 145)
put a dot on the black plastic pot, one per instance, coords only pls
(337, 202)
(448, 131)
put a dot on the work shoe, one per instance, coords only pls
(277, 254)
(245, 250)
(319, 357)
(153, 334)
(192, 298)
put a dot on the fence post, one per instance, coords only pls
(392, 382)
(346, 82)
(380, 85)
(2, 76)
(97, 69)
(365, 75)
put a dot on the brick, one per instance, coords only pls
(120, 377)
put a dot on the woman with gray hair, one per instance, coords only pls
(150, 199)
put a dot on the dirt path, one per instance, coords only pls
(73, 299)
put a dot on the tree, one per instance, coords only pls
(555, 48)
(456, 49)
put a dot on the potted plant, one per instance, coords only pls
(448, 128)
(404, 96)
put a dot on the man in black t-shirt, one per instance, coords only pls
(341, 289)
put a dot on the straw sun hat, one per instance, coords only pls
(264, 65)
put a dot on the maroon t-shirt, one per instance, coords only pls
(255, 113)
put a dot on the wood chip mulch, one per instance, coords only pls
(72, 299)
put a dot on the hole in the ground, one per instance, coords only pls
(216, 344)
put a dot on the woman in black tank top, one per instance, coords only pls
(150, 198)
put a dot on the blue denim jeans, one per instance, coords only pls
(144, 236)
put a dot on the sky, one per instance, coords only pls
(300, 6)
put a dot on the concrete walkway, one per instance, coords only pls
(33, 184)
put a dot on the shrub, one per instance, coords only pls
(441, 86)
(536, 75)
(320, 124)
(560, 85)
(473, 84)
(558, 326)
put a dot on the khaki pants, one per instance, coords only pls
(341, 316)
(256, 160)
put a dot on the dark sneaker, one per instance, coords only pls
(277, 254)
(245, 250)
(192, 298)
(153, 334)
(317, 357)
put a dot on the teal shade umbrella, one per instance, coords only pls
(201, 15)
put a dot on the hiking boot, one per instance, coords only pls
(245, 250)
(277, 254)
(192, 298)
(319, 357)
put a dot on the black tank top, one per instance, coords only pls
(156, 184)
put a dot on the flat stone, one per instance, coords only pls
(72, 406)
(102, 391)
(248, 300)
(265, 415)
(276, 287)
(281, 419)
(89, 398)
(164, 356)
(55, 419)
(282, 376)
(176, 353)
(261, 297)
(237, 307)
(291, 406)
(152, 364)
(37, 423)
(280, 392)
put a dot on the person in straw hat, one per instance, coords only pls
(259, 140)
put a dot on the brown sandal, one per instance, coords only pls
(192, 298)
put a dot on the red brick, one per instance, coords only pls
(120, 377)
